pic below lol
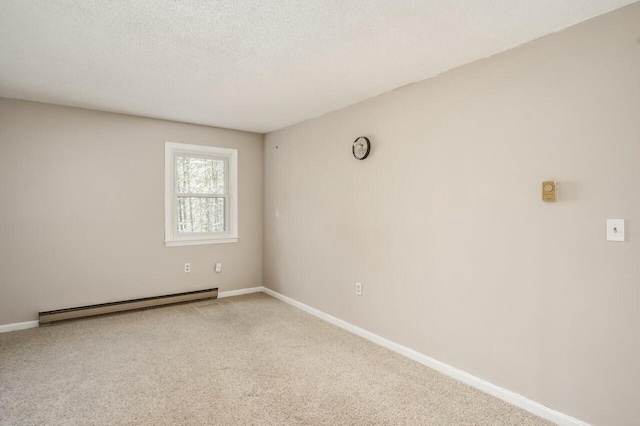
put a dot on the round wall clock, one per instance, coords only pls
(361, 148)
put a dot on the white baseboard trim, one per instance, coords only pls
(478, 383)
(240, 292)
(18, 326)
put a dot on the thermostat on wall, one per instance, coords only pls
(550, 191)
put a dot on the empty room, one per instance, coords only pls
(332, 213)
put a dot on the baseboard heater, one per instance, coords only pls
(51, 317)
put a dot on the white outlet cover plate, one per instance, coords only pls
(615, 230)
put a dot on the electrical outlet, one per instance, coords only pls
(359, 289)
(187, 267)
(218, 267)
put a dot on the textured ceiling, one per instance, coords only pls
(255, 65)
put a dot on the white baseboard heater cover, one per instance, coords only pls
(50, 317)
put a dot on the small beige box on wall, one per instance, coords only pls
(550, 191)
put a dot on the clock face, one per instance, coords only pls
(361, 148)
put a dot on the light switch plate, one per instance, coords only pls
(615, 230)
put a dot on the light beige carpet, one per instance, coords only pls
(248, 360)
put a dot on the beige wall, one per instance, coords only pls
(444, 226)
(82, 210)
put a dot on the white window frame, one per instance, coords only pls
(171, 236)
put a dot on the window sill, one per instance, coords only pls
(178, 243)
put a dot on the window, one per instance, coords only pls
(201, 195)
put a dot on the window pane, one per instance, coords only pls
(199, 214)
(199, 175)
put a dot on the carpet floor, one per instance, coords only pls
(246, 360)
